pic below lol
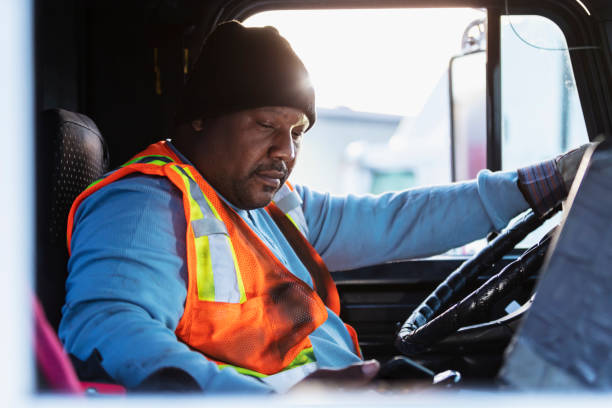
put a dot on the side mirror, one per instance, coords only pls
(468, 114)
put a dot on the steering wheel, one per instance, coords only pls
(418, 333)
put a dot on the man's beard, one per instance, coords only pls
(279, 166)
(248, 201)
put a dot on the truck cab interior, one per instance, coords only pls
(108, 78)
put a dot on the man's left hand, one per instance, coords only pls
(568, 163)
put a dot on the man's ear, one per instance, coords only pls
(197, 125)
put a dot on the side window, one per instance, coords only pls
(541, 112)
(381, 78)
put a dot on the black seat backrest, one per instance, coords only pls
(72, 155)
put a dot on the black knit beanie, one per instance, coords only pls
(244, 68)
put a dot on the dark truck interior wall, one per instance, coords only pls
(98, 58)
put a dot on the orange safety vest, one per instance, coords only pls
(244, 308)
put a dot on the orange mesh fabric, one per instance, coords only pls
(266, 332)
(323, 282)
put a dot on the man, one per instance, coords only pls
(184, 275)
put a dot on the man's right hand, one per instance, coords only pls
(355, 375)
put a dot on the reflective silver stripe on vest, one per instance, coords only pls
(290, 203)
(221, 257)
(284, 380)
(208, 226)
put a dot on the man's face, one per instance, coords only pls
(248, 155)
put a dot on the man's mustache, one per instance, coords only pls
(279, 166)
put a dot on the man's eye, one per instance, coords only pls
(266, 125)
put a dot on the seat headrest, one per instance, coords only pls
(80, 157)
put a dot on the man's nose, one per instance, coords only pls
(283, 147)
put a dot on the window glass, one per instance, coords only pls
(541, 112)
(381, 79)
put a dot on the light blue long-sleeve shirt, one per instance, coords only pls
(127, 273)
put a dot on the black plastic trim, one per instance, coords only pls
(493, 69)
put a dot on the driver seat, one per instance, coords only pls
(72, 155)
